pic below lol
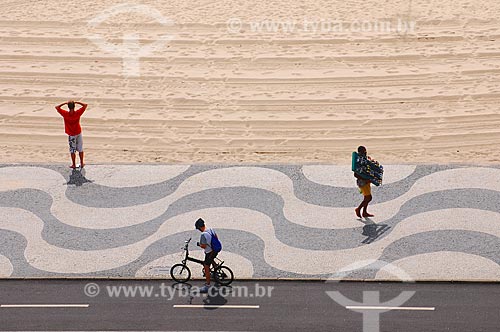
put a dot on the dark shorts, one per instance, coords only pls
(209, 258)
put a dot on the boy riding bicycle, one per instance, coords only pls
(206, 242)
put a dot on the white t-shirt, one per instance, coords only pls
(206, 238)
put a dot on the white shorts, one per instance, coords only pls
(75, 143)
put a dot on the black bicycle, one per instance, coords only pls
(181, 272)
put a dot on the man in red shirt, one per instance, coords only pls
(73, 129)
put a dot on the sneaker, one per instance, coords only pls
(204, 289)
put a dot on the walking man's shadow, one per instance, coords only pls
(373, 231)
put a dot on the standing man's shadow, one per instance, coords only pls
(77, 177)
(373, 231)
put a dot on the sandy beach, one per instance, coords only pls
(243, 93)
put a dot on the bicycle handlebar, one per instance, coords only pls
(186, 243)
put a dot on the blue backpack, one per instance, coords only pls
(215, 243)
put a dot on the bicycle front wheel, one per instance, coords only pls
(224, 275)
(180, 273)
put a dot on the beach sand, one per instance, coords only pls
(246, 96)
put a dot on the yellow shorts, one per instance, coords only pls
(366, 190)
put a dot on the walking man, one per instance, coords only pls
(364, 188)
(73, 129)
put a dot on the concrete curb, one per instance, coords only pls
(467, 281)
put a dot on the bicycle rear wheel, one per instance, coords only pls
(223, 275)
(180, 273)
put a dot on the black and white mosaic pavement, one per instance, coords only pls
(432, 221)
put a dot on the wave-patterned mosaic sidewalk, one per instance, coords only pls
(432, 221)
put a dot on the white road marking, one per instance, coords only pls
(222, 306)
(391, 308)
(44, 305)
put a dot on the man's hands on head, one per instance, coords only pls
(59, 107)
(80, 103)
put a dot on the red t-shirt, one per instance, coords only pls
(72, 121)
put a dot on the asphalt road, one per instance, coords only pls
(267, 306)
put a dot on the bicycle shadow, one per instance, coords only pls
(214, 298)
